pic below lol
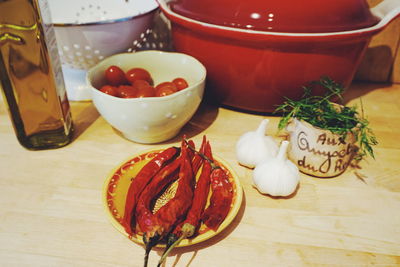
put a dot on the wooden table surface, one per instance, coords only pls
(51, 211)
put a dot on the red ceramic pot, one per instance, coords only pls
(254, 66)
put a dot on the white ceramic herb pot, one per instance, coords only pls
(319, 152)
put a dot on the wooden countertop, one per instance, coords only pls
(51, 211)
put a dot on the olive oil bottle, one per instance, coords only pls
(31, 78)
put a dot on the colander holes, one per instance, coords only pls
(161, 45)
(96, 52)
(100, 57)
(135, 43)
(154, 45)
(142, 35)
(76, 46)
(66, 48)
(87, 47)
(78, 54)
(148, 31)
(130, 50)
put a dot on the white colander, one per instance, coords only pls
(88, 31)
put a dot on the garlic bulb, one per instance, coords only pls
(254, 147)
(277, 176)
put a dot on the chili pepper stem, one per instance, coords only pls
(146, 255)
(166, 252)
(212, 163)
(150, 243)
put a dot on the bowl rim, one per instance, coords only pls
(258, 35)
(108, 21)
(154, 98)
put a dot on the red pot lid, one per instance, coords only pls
(307, 16)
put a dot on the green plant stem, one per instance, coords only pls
(320, 112)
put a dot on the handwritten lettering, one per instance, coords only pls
(325, 166)
(340, 165)
(322, 138)
(333, 159)
(302, 163)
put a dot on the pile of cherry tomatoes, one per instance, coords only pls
(137, 82)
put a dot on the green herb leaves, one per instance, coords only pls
(320, 112)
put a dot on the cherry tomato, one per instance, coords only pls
(180, 83)
(126, 91)
(140, 83)
(164, 91)
(170, 85)
(109, 90)
(165, 88)
(115, 76)
(145, 91)
(138, 74)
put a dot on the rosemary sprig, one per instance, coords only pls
(319, 111)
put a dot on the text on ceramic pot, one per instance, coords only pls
(332, 159)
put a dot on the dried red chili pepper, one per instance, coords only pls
(201, 193)
(198, 160)
(146, 220)
(177, 207)
(188, 227)
(140, 181)
(196, 164)
(155, 226)
(190, 143)
(220, 201)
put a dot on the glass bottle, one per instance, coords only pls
(31, 76)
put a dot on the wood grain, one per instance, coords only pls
(378, 64)
(51, 211)
(395, 76)
(382, 58)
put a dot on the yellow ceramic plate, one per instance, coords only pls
(117, 184)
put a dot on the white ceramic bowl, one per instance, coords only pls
(152, 119)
